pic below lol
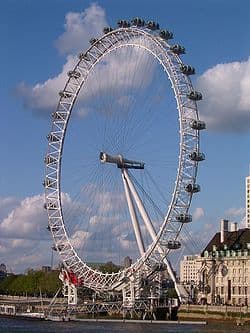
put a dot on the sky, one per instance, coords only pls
(40, 40)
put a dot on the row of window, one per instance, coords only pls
(234, 279)
(235, 290)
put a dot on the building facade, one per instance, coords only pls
(248, 202)
(223, 268)
(189, 269)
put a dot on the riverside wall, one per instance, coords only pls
(212, 312)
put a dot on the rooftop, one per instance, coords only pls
(233, 240)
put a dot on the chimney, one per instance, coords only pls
(234, 226)
(223, 228)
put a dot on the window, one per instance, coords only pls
(222, 290)
(233, 291)
(239, 290)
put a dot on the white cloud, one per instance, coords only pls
(235, 212)
(121, 71)
(24, 239)
(6, 205)
(78, 239)
(80, 28)
(44, 96)
(226, 105)
(198, 213)
(27, 220)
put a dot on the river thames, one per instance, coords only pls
(17, 325)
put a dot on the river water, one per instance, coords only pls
(17, 325)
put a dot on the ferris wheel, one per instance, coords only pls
(134, 141)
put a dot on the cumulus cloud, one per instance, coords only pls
(78, 238)
(44, 96)
(226, 105)
(26, 220)
(24, 239)
(6, 205)
(198, 213)
(122, 71)
(80, 28)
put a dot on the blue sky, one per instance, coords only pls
(34, 49)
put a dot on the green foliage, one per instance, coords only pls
(109, 267)
(31, 284)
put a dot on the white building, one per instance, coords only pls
(189, 268)
(224, 275)
(221, 274)
(248, 202)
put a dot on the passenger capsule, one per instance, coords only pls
(197, 124)
(123, 24)
(59, 115)
(165, 34)
(48, 182)
(195, 95)
(65, 94)
(177, 49)
(84, 56)
(152, 25)
(192, 188)
(93, 40)
(106, 30)
(184, 218)
(53, 228)
(138, 22)
(173, 244)
(187, 69)
(74, 74)
(50, 206)
(59, 247)
(49, 159)
(196, 156)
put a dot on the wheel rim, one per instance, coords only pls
(187, 168)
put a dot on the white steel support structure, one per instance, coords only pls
(150, 228)
(148, 38)
(133, 215)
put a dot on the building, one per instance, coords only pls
(225, 267)
(189, 268)
(221, 273)
(248, 202)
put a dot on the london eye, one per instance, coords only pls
(122, 157)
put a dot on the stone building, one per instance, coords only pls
(225, 267)
(189, 270)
